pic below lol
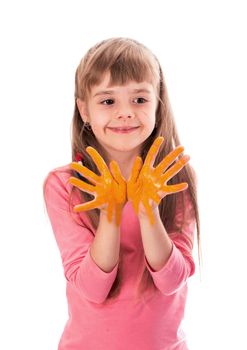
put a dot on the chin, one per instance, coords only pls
(123, 146)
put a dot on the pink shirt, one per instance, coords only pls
(153, 322)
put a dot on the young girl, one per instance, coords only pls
(123, 216)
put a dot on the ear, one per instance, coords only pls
(81, 105)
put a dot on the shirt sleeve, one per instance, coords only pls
(180, 265)
(74, 238)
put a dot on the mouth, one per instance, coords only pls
(124, 130)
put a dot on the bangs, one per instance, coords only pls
(130, 64)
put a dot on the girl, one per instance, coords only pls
(123, 223)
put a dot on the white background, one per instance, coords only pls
(201, 47)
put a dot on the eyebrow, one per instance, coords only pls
(110, 92)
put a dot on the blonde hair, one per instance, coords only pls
(126, 59)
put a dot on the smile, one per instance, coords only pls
(123, 130)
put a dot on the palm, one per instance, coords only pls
(109, 188)
(148, 185)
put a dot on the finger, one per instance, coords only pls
(116, 172)
(90, 175)
(136, 202)
(168, 160)
(82, 185)
(134, 189)
(175, 188)
(98, 160)
(110, 210)
(153, 151)
(136, 169)
(95, 203)
(118, 214)
(86, 206)
(119, 192)
(155, 197)
(175, 168)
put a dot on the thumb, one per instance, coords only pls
(138, 163)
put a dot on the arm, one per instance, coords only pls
(106, 245)
(156, 242)
(74, 242)
(169, 256)
(109, 190)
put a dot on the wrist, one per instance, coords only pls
(143, 216)
(105, 218)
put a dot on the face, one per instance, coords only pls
(121, 117)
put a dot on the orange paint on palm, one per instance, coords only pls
(146, 182)
(109, 189)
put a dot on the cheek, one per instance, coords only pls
(148, 117)
(98, 127)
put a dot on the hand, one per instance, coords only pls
(109, 188)
(147, 185)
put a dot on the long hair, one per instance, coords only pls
(128, 60)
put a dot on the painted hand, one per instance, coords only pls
(109, 189)
(147, 185)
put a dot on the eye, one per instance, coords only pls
(109, 101)
(141, 98)
(103, 102)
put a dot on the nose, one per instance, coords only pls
(125, 112)
(124, 116)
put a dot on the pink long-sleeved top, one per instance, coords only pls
(150, 322)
